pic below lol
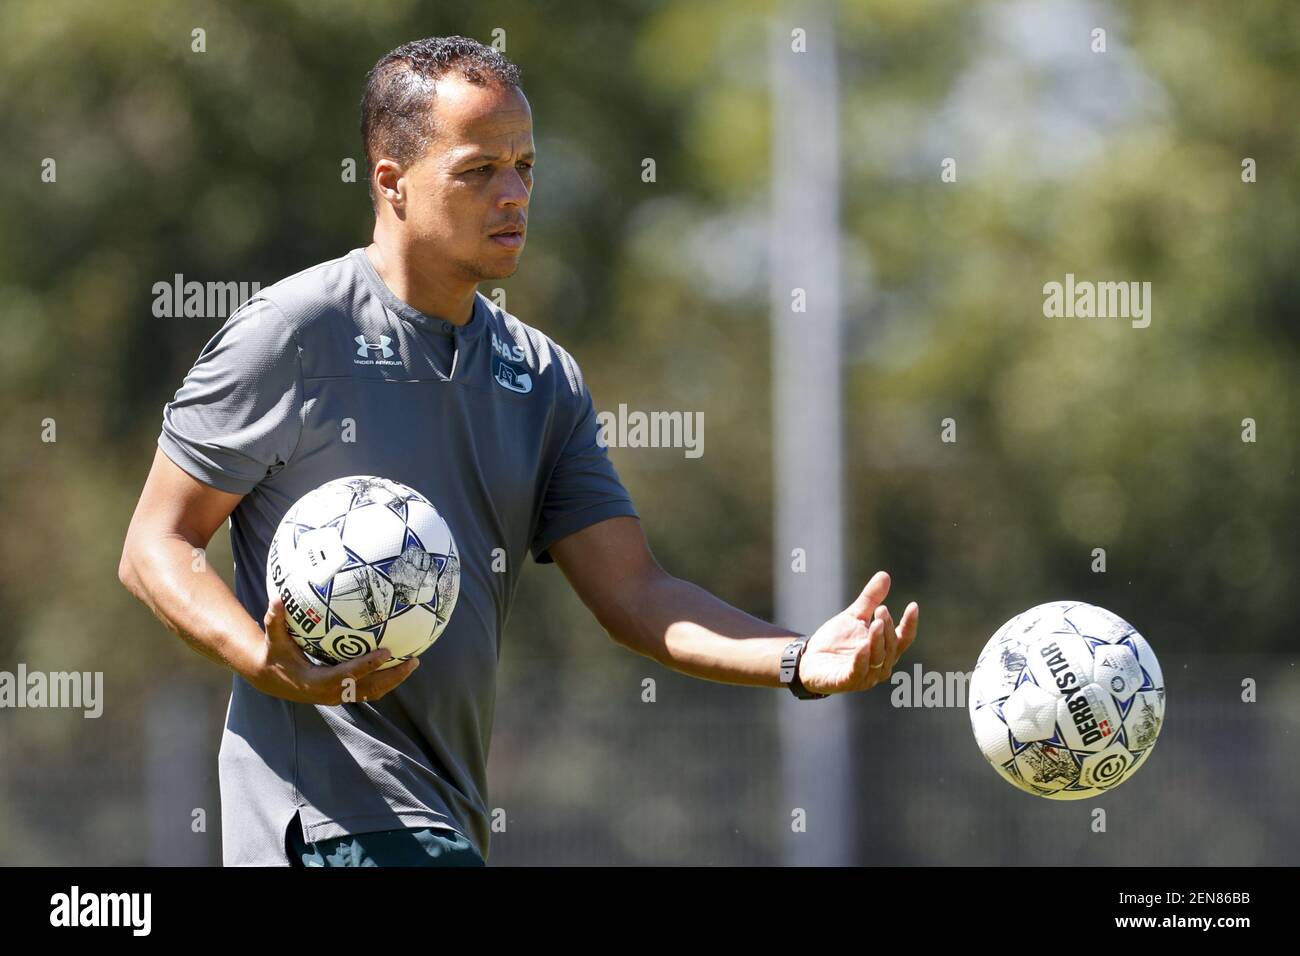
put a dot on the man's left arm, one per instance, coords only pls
(683, 626)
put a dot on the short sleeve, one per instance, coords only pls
(237, 415)
(584, 488)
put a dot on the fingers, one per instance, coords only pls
(281, 646)
(876, 645)
(874, 593)
(890, 639)
(886, 644)
(370, 682)
(874, 659)
(275, 623)
(875, 651)
(907, 627)
(291, 674)
(360, 667)
(378, 684)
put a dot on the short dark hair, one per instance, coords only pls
(396, 114)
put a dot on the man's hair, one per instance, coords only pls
(397, 108)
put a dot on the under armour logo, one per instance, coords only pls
(364, 347)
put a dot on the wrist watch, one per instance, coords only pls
(790, 658)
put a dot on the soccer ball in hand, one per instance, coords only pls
(1066, 700)
(362, 562)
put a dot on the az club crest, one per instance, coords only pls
(510, 377)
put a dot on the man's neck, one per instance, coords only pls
(433, 295)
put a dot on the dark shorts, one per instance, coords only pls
(428, 846)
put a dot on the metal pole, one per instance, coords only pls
(806, 417)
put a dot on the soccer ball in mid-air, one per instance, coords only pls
(1066, 700)
(360, 563)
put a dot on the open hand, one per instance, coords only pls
(858, 648)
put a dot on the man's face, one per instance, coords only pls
(475, 180)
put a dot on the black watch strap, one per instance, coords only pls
(790, 658)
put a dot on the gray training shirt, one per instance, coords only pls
(327, 374)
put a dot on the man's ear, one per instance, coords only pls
(386, 182)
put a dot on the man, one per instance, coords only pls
(388, 362)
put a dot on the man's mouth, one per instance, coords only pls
(512, 237)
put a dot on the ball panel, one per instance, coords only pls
(1060, 662)
(992, 735)
(1047, 767)
(1147, 659)
(1142, 723)
(373, 533)
(1089, 718)
(1042, 619)
(1116, 668)
(448, 591)
(997, 673)
(415, 576)
(1099, 623)
(409, 632)
(367, 489)
(1030, 713)
(1108, 768)
(423, 519)
(346, 645)
(322, 506)
(320, 553)
(361, 597)
(304, 610)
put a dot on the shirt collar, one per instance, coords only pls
(471, 329)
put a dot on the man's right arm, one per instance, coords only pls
(177, 514)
